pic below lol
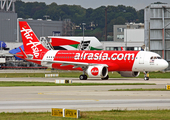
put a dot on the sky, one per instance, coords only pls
(137, 4)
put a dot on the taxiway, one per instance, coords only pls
(85, 98)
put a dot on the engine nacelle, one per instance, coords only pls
(97, 71)
(129, 73)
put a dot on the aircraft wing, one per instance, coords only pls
(75, 64)
(65, 63)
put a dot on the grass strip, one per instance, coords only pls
(94, 115)
(140, 89)
(17, 83)
(75, 74)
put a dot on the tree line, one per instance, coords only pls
(116, 15)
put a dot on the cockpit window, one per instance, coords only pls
(155, 57)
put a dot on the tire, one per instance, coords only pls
(83, 77)
(146, 78)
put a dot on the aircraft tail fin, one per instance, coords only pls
(122, 49)
(30, 41)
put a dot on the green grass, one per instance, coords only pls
(75, 74)
(94, 115)
(19, 75)
(156, 75)
(17, 83)
(140, 89)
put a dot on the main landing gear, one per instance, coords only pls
(146, 77)
(83, 77)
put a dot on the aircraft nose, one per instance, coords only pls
(164, 64)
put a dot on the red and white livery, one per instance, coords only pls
(92, 63)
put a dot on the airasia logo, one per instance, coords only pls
(104, 56)
(28, 35)
(95, 71)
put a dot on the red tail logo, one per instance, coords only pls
(30, 41)
(27, 33)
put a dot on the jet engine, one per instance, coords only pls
(129, 73)
(97, 71)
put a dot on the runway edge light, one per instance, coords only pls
(59, 112)
(71, 113)
(51, 75)
(167, 87)
(63, 81)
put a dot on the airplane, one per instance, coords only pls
(94, 63)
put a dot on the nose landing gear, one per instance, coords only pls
(146, 77)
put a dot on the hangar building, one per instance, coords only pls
(157, 29)
(9, 28)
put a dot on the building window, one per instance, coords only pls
(107, 48)
(137, 48)
(120, 37)
(56, 33)
(120, 29)
(130, 48)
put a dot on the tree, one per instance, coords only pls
(53, 11)
(98, 16)
(140, 14)
(116, 15)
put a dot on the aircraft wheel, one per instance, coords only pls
(83, 77)
(146, 78)
(106, 78)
